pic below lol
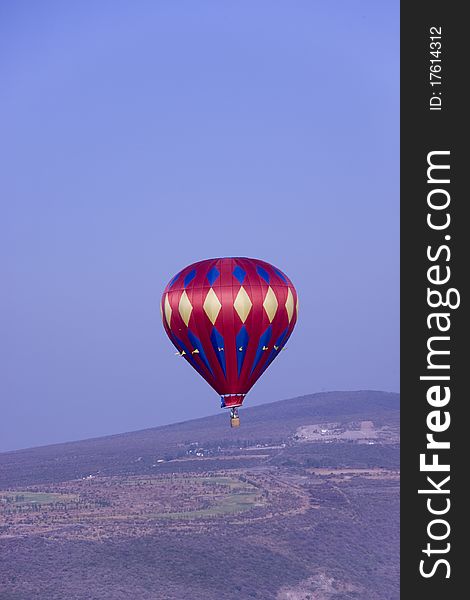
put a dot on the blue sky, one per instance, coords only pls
(138, 137)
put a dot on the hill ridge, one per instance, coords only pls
(245, 412)
(140, 452)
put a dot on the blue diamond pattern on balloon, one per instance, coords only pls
(196, 343)
(263, 341)
(212, 275)
(189, 277)
(263, 273)
(181, 346)
(219, 349)
(173, 281)
(279, 274)
(239, 273)
(241, 340)
(279, 343)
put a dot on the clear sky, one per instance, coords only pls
(140, 136)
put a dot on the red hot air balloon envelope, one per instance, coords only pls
(230, 318)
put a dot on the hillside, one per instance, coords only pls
(271, 423)
(300, 503)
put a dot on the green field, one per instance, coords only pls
(242, 497)
(22, 498)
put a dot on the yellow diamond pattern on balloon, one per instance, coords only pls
(212, 306)
(270, 304)
(297, 308)
(185, 308)
(290, 305)
(242, 304)
(167, 311)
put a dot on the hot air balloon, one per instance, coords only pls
(230, 318)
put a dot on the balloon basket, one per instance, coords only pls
(234, 418)
(234, 421)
